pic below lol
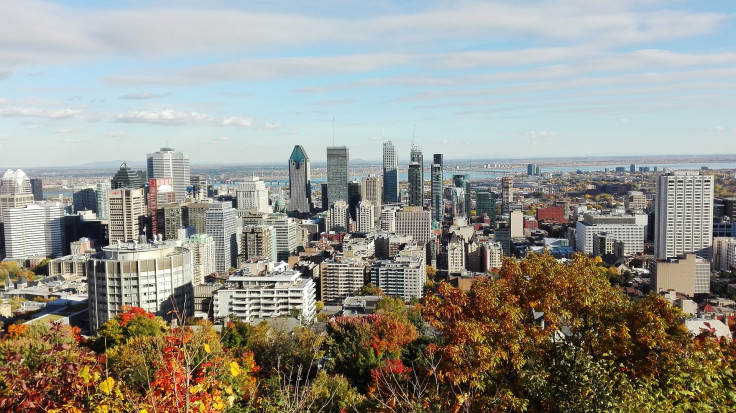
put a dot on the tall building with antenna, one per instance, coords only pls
(300, 185)
(390, 174)
(416, 177)
(438, 203)
(338, 173)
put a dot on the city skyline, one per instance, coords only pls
(496, 80)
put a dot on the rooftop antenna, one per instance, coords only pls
(333, 131)
(412, 135)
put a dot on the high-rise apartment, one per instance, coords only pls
(155, 277)
(437, 201)
(372, 191)
(160, 193)
(285, 229)
(338, 218)
(127, 214)
(202, 247)
(300, 181)
(684, 215)
(220, 219)
(167, 163)
(259, 241)
(416, 177)
(338, 171)
(390, 174)
(366, 217)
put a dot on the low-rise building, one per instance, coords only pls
(276, 294)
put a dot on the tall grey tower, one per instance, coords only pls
(300, 186)
(416, 177)
(167, 163)
(684, 215)
(390, 174)
(438, 204)
(338, 167)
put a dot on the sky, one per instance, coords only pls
(243, 82)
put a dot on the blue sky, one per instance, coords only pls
(242, 82)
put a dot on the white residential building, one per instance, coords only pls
(220, 222)
(202, 247)
(338, 218)
(684, 215)
(273, 295)
(285, 229)
(388, 218)
(456, 255)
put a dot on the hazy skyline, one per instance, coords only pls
(82, 81)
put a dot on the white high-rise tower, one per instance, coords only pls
(168, 163)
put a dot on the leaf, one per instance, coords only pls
(107, 385)
(234, 368)
(207, 348)
(84, 374)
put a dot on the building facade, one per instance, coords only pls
(202, 247)
(684, 215)
(127, 214)
(338, 174)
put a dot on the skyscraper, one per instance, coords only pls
(127, 214)
(416, 177)
(202, 247)
(372, 191)
(354, 198)
(366, 217)
(168, 163)
(684, 215)
(390, 174)
(437, 201)
(85, 197)
(37, 189)
(300, 185)
(338, 170)
(220, 220)
(507, 194)
(285, 229)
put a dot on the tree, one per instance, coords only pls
(368, 289)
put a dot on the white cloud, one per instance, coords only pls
(540, 136)
(64, 131)
(117, 134)
(143, 95)
(35, 112)
(163, 117)
(717, 129)
(220, 140)
(237, 121)
(623, 120)
(271, 126)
